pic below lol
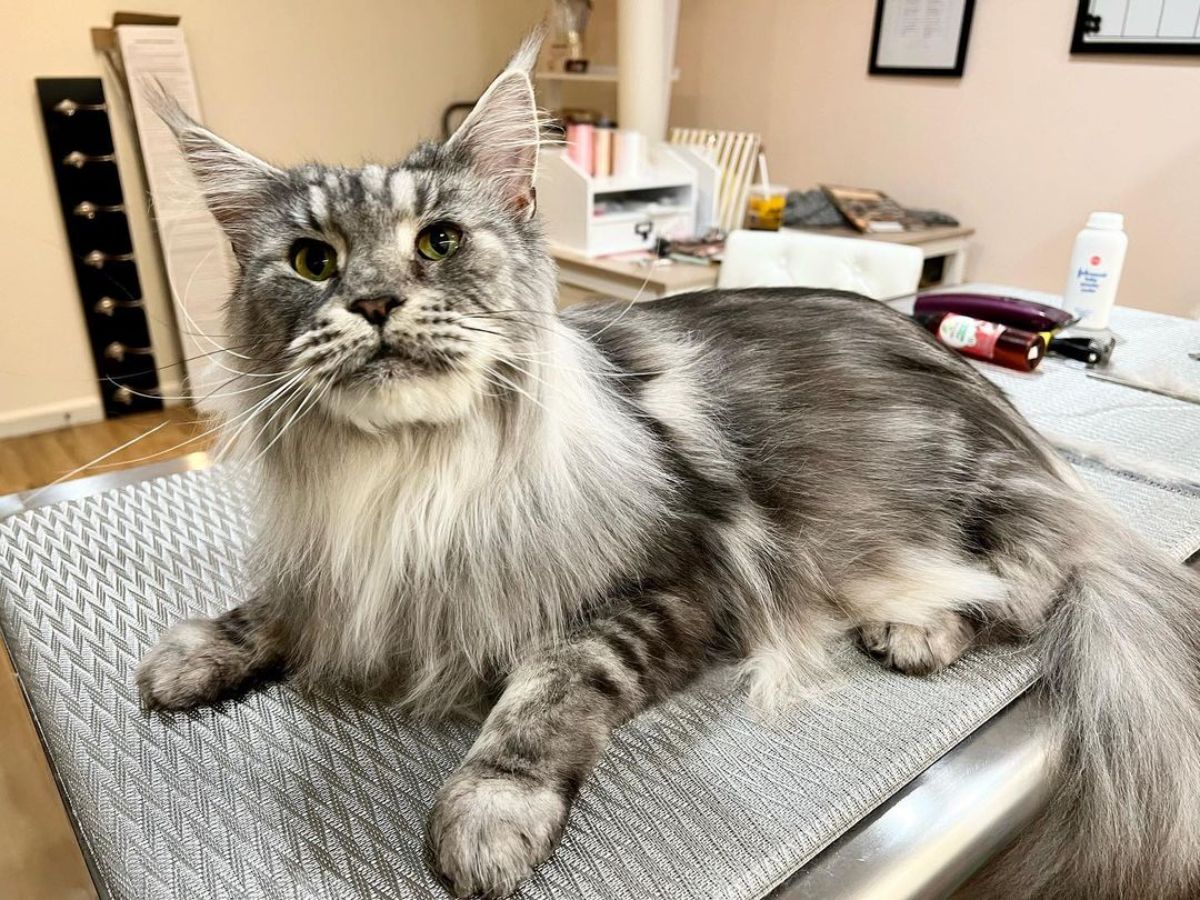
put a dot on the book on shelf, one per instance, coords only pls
(701, 250)
(871, 211)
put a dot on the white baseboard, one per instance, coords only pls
(75, 411)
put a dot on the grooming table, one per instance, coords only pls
(882, 786)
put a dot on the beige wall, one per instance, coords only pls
(1022, 147)
(289, 79)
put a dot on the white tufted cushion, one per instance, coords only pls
(801, 259)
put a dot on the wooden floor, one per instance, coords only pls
(39, 855)
(38, 459)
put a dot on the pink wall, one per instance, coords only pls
(1022, 147)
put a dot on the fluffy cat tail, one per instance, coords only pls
(1121, 677)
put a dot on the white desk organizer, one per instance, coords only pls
(616, 214)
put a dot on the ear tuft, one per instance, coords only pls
(526, 57)
(502, 134)
(235, 183)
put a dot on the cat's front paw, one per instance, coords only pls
(488, 832)
(193, 664)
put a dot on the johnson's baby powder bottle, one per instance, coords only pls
(1096, 265)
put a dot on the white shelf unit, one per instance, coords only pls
(617, 214)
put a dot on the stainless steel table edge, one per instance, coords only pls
(944, 825)
(87, 486)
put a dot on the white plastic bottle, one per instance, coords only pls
(1095, 272)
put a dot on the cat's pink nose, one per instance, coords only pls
(375, 309)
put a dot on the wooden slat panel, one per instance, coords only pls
(735, 153)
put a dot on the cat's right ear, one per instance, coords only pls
(235, 183)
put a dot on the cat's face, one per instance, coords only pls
(400, 289)
(395, 294)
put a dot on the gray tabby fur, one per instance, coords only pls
(484, 504)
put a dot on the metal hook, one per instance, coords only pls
(116, 351)
(98, 259)
(88, 210)
(123, 395)
(79, 159)
(107, 306)
(69, 107)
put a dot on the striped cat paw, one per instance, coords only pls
(489, 832)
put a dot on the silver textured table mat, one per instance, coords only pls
(1165, 514)
(284, 795)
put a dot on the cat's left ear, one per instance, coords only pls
(500, 137)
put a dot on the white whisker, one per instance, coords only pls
(283, 393)
(98, 459)
(307, 405)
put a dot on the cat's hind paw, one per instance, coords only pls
(917, 650)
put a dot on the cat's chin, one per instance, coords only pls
(385, 404)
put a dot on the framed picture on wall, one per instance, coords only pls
(1137, 26)
(921, 37)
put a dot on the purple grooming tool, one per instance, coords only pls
(1011, 311)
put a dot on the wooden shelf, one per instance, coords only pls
(620, 184)
(600, 74)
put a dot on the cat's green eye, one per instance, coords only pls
(439, 241)
(314, 260)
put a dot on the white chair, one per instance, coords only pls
(801, 259)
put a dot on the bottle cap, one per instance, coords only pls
(1106, 221)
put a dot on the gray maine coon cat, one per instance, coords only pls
(472, 502)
